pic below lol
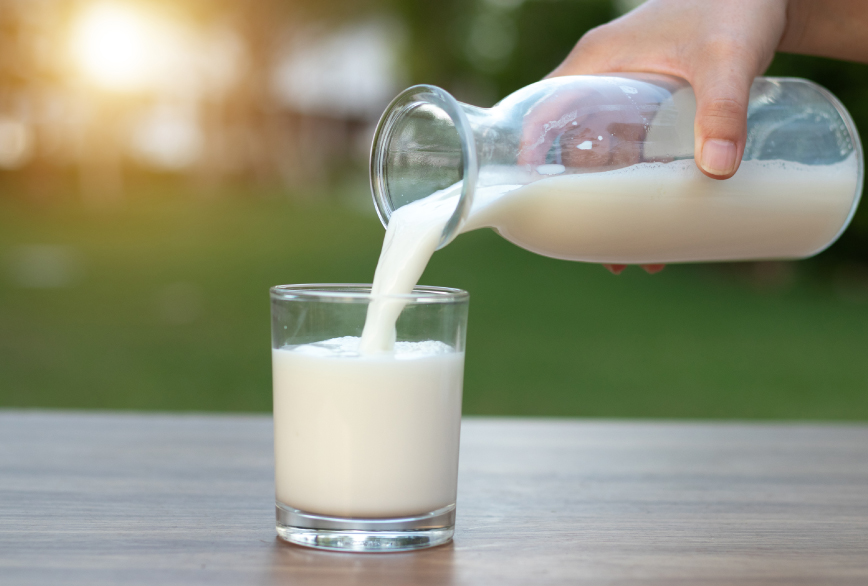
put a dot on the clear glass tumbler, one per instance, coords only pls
(366, 446)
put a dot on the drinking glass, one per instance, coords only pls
(366, 445)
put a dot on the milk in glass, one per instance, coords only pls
(367, 435)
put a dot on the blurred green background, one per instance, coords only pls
(143, 218)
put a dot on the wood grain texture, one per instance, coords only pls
(184, 499)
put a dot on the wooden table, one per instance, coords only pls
(188, 499)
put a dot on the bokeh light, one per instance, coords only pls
(16, 143)
(114, 45)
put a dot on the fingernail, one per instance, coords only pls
(615, 269)
(651, 269)
(718, 156)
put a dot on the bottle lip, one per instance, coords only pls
(407, 100)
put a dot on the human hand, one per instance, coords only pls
(718, 47)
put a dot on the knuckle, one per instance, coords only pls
(726, 108)
(591, 41)
(589, 55)
(592, 36)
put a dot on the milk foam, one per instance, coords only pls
(348, 347)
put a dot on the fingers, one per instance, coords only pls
(720, 69)
(720, 127)
(722, 86)
(595, 123)
(650, 269)
(615, 269)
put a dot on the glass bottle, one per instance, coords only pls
(601, 169)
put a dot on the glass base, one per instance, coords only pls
(365, 535)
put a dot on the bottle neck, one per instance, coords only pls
(424, 143)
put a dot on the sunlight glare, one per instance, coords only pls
(114, 45)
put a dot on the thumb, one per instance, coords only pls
(720, 127)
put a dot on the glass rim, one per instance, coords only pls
(361, 293)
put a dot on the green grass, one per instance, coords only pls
(170, 312)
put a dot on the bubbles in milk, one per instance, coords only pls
(348, 347)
